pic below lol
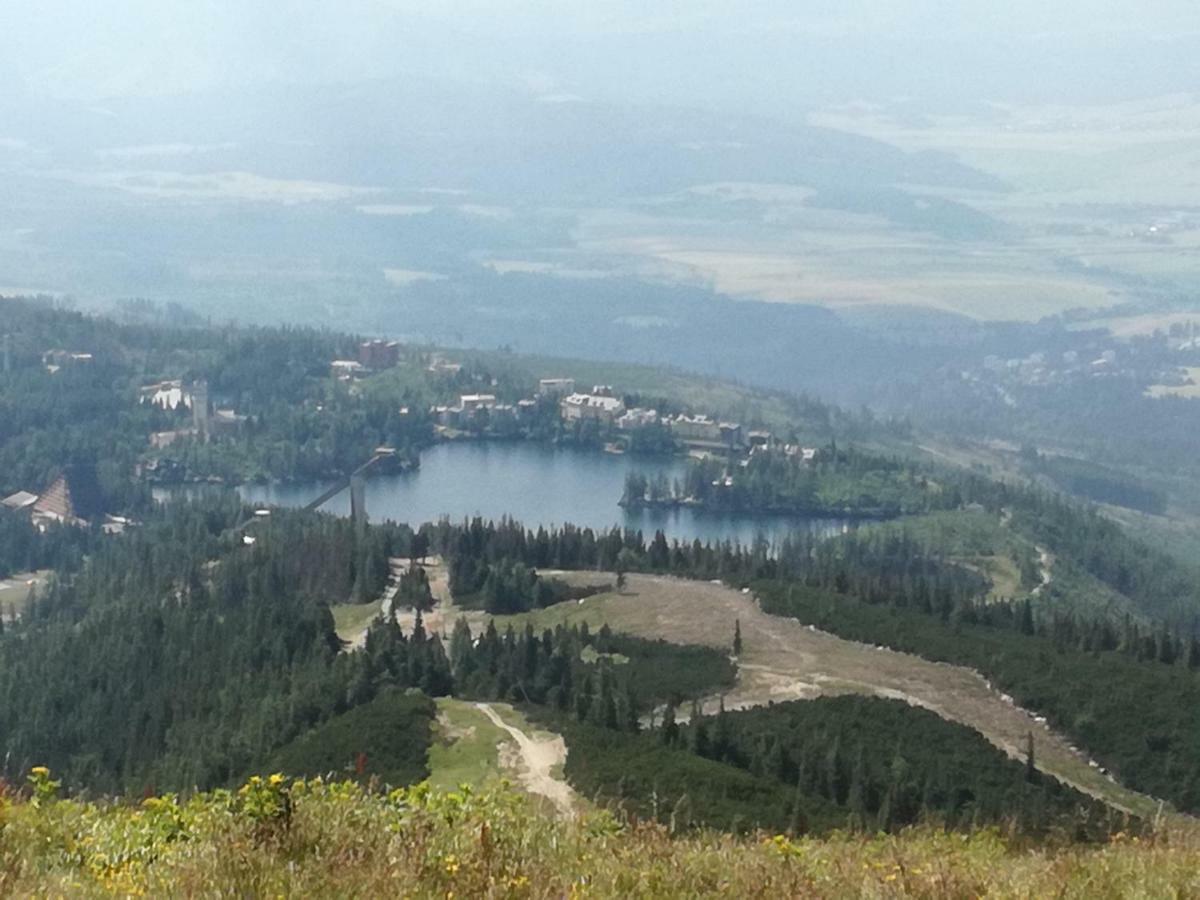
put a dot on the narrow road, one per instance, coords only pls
(538, 757)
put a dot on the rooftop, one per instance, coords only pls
(19, 500)
(592, 401)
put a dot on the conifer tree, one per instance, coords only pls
(669, 730)
(460, 648)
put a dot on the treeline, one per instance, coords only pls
(869, 564)
(606, 679)
(507, 586)
(892, 566)
(835, 481)
(1096, 482)
(23, 548)
(887, 764)
(832, 763)
(386, 739)
(1123, 690)
(1159, 585)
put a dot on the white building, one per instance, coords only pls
(579, 407)
(167, 395)
(345, 369)
(20, 501)
(695, 428)
(637, 418)
(472, 402)
(760, 440)
(556, 387)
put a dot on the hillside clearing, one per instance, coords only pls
(15, 589)
(350, 620)
(785, 660)
(540, 758)
(480, 743)
(466, 747)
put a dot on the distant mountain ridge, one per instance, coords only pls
(423, 133)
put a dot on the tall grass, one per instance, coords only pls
(280, 837)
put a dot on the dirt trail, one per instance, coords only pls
(539, 756)
(1045, 562)
(785, 660)
(440, 619)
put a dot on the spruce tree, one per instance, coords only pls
(670, 730)
(460, 648)
(1026, 622)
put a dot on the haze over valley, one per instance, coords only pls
(522, 449)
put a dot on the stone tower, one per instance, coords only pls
(358, 499)
(200, 409)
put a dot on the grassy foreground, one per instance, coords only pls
(280, 837)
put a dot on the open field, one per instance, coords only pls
(482, 743)
(1189, 390)
(785, 660)
(790, 252)
(1106, 193)
(236, 186)
(16, 588)
(466, 748)
(1147, 323)
(1001, 571)
(1142, 151)
(350, 620)
(976, 540)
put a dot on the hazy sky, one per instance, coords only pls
(701, 51)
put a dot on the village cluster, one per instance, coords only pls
(73, 497)
(600, 405)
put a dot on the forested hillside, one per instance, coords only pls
(178, 656)
(294, 419)
(813, 766)
(199, 645)
(152, 666)
(187, 652)
(1130, 697)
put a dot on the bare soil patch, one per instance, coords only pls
(783, 659)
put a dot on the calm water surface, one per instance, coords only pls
(536, 485)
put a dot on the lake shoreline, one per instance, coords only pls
(538, 485)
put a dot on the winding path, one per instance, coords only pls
(539, 756)
(1045, 562)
